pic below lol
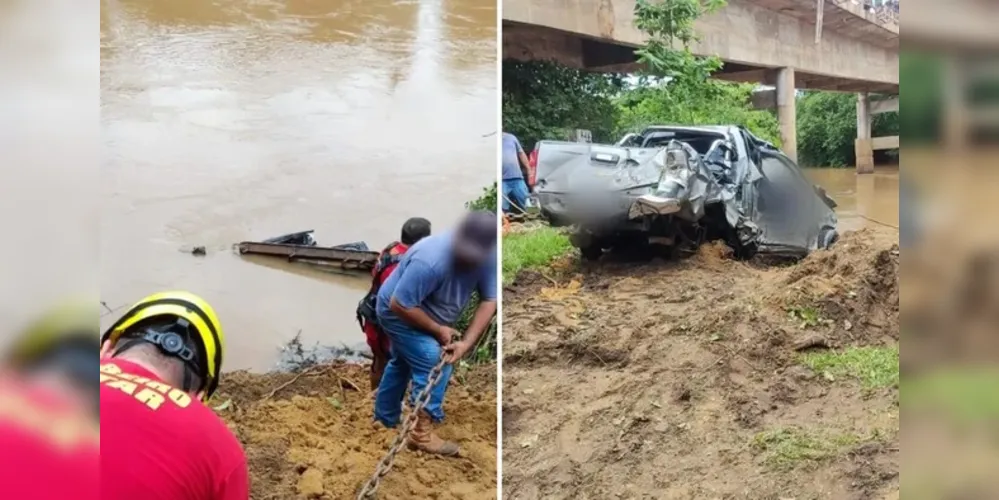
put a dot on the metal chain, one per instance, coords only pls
(385, 465)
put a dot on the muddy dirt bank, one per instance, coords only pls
(685, 379)
(316, 439)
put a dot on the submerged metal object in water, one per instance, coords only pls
(302, 247)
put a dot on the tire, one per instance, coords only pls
(591, 253)
(667, 252)
(742, 251)
(745, 252)
(827, 238)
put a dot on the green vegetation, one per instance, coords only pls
(487, 201)
(924, 74)
(669, 27)
(923, 98)
(547, 101)
(710, 102)
(485, 351)
(791, 447)
(875, 367)
(808, 316)
(967, 395)
(543, 100)
(827, 128)
(675, 87)
(532, 249)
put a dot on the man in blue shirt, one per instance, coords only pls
(515, 164)
(417, 307)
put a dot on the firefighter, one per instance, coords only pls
(160, 364)
(57, 351)
(415, 229)
(48, 426)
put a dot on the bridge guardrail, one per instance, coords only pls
(883, 14)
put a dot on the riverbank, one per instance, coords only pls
(217, 118)
(314, 437)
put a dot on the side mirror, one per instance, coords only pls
(821, 192)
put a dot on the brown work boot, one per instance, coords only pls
(423, 438)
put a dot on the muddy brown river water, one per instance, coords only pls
(863, 200)
(233, 120)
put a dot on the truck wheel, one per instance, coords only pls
(591, 252)
(667, 252)
(827, 238)
(745, 252)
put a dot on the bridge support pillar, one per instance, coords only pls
(864, 145)
(786, 110)
(956, 120)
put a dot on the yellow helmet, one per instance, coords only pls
(72, 321)
(188, 307)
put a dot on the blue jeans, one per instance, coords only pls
(515, 190)
(414, 354)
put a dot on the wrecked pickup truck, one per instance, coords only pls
(678, 186)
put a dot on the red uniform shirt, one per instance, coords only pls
(382, 274)
(377, 340)
(162, 444)
(48, 449)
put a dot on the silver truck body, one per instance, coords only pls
(678, 184)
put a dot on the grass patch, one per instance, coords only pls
(966, 395)
(875, 367)
(808, 316)
(791, 447)
(532, 249)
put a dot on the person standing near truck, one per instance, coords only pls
(515, 174)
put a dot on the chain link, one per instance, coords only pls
(385, 465)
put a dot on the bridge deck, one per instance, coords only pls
(753, 37)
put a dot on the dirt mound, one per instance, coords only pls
(315, 437)
(686, 378)
(714, 254)
(855, 284)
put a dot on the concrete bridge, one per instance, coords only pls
(837, 45)
(961, 34)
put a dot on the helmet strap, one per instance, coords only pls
(187, 380)
(170, 344)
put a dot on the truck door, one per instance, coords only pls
(786, 203)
